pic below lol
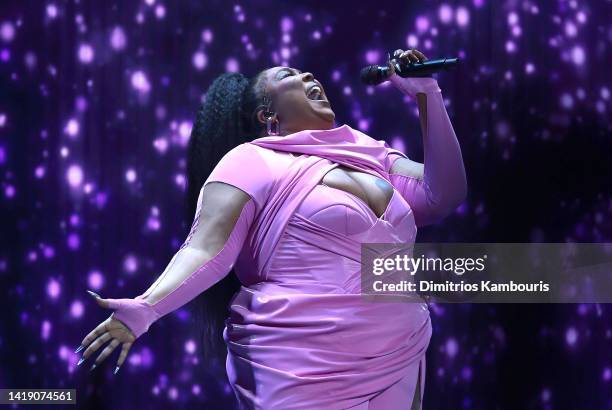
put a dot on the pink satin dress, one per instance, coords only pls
(305, 338)
(299, 334)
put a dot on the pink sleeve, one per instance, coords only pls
(247, 168)
(138, 315)
(443, 186)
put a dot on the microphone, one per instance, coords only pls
(376, 74)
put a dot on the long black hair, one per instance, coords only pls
(226, 119)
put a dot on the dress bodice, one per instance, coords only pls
(308, 321)
(327, 230)
(299, 324)
(345, 213)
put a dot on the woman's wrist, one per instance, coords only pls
(137, 314)
(415, 85)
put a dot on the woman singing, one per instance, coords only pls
(281, 202)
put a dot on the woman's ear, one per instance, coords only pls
(260, 117)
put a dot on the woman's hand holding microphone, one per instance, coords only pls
(411, 85)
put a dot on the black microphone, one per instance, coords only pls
(376, 74)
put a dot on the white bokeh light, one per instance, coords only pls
(578, 55)
(199, 60)
(7, 31)
(74, 175)
(118, 39)
(72, 127)
(140, 82)
(445, 13)
(86, 53)
(462, 16)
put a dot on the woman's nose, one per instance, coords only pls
(307, 76)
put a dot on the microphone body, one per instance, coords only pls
(376, 74)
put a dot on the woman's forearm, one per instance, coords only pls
(184, 263)
(197, 265)
(444, 171)
(443, 184)
(422, 104)
(187, 275)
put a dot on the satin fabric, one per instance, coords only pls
(343, 144)
(300, 335)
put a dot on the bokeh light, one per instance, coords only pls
(97, 106)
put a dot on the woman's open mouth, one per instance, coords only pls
(315, 93)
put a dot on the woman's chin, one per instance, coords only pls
(326, 114)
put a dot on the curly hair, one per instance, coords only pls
(226, 119)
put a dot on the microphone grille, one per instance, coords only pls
(371, 75)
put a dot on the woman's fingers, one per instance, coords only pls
(95, 346)
(390, 65)
(92, 293)
(109, 329)
(101, 302)
(124, 351)
(107, 303)
(420, 55)
(98, 331)
(107, 350)
(409, 56)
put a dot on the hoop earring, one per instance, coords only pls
(271, 117)
(270, 121)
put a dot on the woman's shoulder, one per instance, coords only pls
(252, 169)
(268, 153)
(276, 162)
(247, 150)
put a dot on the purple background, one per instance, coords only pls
(97, 101)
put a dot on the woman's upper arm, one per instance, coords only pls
(397, 162)
(239, 183)
(407, 167)
(248, 168)
(220, 206)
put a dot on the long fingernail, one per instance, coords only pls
(81, 347)
(92, 367)
(81, 361)
(94, 294)
(116, 370)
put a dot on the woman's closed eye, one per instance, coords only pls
(289, 74)
(284, 73)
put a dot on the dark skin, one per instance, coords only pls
(222, 203)
(296, 112)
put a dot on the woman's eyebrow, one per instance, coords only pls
(287, 69)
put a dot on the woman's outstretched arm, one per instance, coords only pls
(226, 209)
(223, 217)
(436, 187)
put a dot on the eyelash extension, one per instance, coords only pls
(288, 74)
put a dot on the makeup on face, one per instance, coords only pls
(301, 99)
(313, 92)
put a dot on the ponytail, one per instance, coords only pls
(226, 119)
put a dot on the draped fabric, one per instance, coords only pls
(300, 335)
(342, 145)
